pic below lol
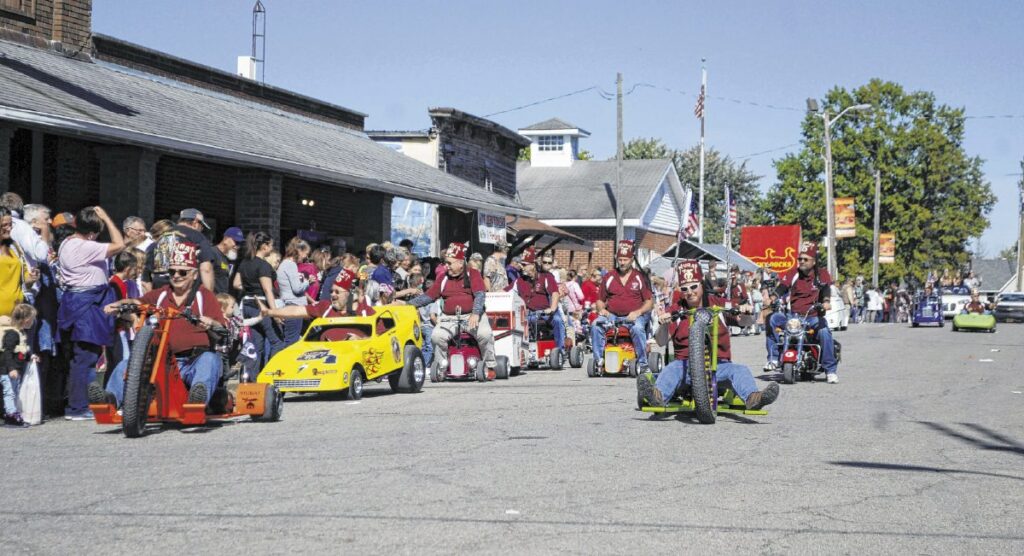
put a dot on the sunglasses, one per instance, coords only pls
(804, 259)
(547, 262)
(179, 272)
(690, 288)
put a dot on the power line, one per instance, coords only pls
(769, 151)
(549, 99)
(994, 117)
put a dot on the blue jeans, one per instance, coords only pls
(292, 331)
(265, 336)
(83, 372)
(735, 374)
(821, 332)
(205, 369)
(638, 333)
(9, 387)
(556, 322)
(428, 346)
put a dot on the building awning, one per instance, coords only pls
(711, 252)
(47, 91)
(532, 232)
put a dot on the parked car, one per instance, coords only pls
(953, 300)
(838, 316)
(1010, 307)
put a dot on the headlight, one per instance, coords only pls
(153, 320)
(472, 361)
(794, 326)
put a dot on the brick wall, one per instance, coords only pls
(71, 178)
(603, 239)
(68, 22)
(654, 241)
(362, 216)
(185, 183)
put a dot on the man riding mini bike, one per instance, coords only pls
(624, 298)
(699, 328)
(808, 288)
(539, 291)
(173, 360)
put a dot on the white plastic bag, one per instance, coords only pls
(29, 402)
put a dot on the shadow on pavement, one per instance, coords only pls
(1006, 444)
(919, 469)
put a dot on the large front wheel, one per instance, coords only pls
(699, 367)
(138, 392)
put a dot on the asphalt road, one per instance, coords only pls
(920, 448)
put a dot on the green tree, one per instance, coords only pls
(524, 154)
(934, 196)
(719, 170)
(584, 154)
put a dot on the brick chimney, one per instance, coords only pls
(60, 24)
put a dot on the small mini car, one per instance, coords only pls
(982, 322)
(927, 310)
(340, 354)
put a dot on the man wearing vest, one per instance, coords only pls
(806, 285)
(191, 344)
(539, 291)
(462, 292)
(692, 296)
(623, 295)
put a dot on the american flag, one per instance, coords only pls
(733, 218)
(698, 110)
(692, 220)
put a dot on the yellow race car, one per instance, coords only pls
(340, 354)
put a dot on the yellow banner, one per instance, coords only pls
(886, 248)
(846, 218)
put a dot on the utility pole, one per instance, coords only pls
(619, 232)
(1020, 235)
(878, 210)
(829, 201)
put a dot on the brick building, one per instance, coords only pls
(102, 121)
(578, 196)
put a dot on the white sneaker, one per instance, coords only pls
(832, 378)
(771, 367)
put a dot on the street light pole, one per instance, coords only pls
(830, 209)
(830, 232)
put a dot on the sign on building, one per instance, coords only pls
(491, 227)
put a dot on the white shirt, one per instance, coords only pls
(36, 250)
(874, 300)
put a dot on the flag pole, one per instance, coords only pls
(727, 221)
(703, 92)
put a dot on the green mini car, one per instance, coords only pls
(982, 322)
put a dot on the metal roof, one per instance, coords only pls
(45, 90)
(585, 190)
(552, 125)
(711, 251)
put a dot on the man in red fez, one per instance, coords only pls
(192, 344)
(691, 295)
(623, 295)
(804, 286)
(463, 292)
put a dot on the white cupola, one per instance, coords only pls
(553, 143)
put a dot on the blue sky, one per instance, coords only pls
(394, 59)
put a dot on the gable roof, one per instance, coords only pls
(994, 273)
(45, 90)
(585, 190)
(553, 124)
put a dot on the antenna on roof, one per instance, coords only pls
(259, 39)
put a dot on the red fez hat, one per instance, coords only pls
(456, 251)
(184, 254)
(529, 256)
(346, 278)
(809, 248)
(625, 249)
(689, 271)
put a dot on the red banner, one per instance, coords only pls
(771, 247)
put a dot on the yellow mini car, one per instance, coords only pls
(340, 354)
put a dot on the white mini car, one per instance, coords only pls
(838, 317)
(953, 300)
(506, 314)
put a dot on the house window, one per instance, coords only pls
(26, 8)
(551, 142)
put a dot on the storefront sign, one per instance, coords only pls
(491, 227)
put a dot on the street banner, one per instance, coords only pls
(886, 248)
(846, 218)
(771, 247)
(491, 227)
